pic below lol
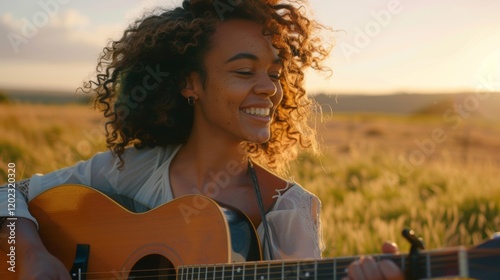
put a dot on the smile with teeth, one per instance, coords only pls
(261, 112)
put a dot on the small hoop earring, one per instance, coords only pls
(191, 100)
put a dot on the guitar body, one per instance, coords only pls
(183, 231)
(194, 238)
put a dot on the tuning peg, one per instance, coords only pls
(417, 243)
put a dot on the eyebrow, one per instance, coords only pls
(251, 57)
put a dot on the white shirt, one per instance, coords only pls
(294, 223)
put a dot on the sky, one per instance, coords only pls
(381, 46)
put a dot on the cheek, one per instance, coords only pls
(233, 113)
(224, 100)
(223, 110)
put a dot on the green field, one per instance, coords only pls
(378, 173)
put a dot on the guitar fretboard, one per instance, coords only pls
(430, 264)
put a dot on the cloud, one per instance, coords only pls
(65, 36)
(69, 20)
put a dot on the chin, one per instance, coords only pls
(259, 138)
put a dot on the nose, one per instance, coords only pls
(265, 85)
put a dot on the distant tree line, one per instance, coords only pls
(4, 98)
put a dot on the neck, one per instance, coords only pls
(209, 159)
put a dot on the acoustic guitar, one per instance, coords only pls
(192, 237)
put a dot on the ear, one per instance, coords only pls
(192, 86)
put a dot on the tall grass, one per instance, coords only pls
(366, 196)
(372, 185)
(365, 201)
(43, 138)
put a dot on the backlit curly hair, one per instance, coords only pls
(140, 77)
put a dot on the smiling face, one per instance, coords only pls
(242, 88)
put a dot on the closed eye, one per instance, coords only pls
(276, 76)
(245, 73)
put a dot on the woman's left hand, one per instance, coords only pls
(367, 268)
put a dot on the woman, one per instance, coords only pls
(211, 95)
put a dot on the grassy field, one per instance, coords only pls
(378, 173)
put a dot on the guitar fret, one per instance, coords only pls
(218, 272)
(428, 265)
(250, 271)
(335, 269)
(463, 266)
(316, 270)
(261, 271)
(255, 272)
(268, 270)
(206, 272)
(403, 264)
(194, 272)
(210, 272)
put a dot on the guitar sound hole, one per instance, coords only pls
(153, 267)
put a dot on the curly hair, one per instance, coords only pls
(140, 77)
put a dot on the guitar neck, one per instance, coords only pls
(437, 263)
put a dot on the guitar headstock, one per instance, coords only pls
(484, 259)
(478, 262)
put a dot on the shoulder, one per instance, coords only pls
(138, 165)
(152, 157)
(270, 182)
(286, 194)
(295, 196)
(281, 186)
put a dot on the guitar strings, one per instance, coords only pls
(438, 261)
(114, 276)
(251, 273)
